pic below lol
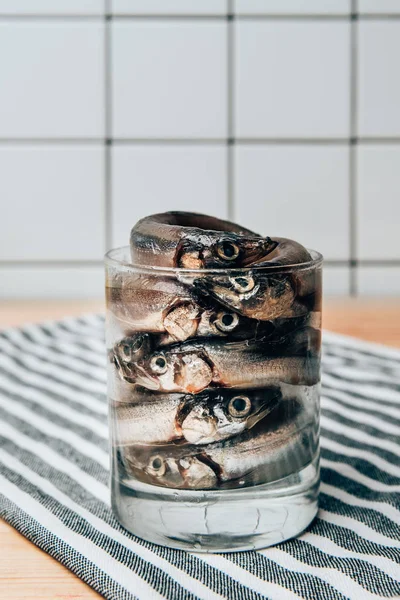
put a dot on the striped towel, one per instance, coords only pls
(54, 478)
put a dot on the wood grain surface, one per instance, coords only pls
(27, 573)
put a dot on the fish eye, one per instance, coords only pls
(243, 284)
(226, 321)
(157, 466)
(239, 406)
(137, 344)
(126, 351)
(158, 364)
(228, 250)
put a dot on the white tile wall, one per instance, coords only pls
(379, 281)
(299, 192)
(336, 280)
(379, 6)
(169, 79)
(292, 79)
(163, 104)
(378, 205)
(51, 7)
(292, 7)
(53, 198)
(167, 7)
(51, 79)
(147, 179)
(379, 79)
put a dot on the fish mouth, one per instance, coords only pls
(124, 369)
(145, 380)
(198, 430)
(195, 435)
(198, 472)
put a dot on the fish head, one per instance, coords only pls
(174, 372)
(263, 402)
(132, 348)
(215, 249)
(234, 250)
(127, 352)
(247, 408)
(251, 294)
(217, 322)
(233, 292)
(167, 470)
(218, 415)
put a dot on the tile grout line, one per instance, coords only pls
(202, 141)
(230, 166)
(353, 274)
(206, 17)
(107, 129)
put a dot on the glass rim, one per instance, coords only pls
(111, 259)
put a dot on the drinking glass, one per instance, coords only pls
(214, 401)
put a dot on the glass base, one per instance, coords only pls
(219, 521)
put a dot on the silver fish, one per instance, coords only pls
(194, 366)
(148, 419)
(195, 241)
(306, 279)
(221, 414)
(254, 294)
(202, 419)
(132, 348)
(164, 306)
(275, 448)
(285, 252)
(154, 304)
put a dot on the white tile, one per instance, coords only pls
(379, 78)
(53, 202)
(336, 281)
(379, 281)
(300, 192)
(51, 7)
(166, 7)
(151, 179)
(378, 206)
(292, 7)
(379, 6)
(51, 79)
(51, 282)
(169, 79)
(292, 79)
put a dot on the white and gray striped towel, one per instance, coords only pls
(54, 478)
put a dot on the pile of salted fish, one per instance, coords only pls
(214, 354)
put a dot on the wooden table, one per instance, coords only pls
(27, 573)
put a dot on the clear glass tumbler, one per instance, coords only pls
(213, 387)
